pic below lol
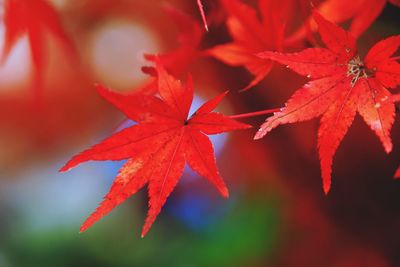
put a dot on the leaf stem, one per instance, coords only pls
(257, 113)
(203, 15)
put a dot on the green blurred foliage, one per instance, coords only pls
(247, 234)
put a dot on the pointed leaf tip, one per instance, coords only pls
(335, 38)
(211, 104)
(388, 148)
(262, 131)
(82, 229)
(225, 193)
(327, 189)
(397, 174)
(145, 230)
(63, 169)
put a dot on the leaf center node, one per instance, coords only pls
(357, 69)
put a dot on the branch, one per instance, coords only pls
(257, 113)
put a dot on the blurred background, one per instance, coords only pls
(277, 214)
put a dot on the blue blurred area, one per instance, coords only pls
(47, 199)
(199, 209)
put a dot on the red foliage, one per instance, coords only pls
(159, 145)
(36, 19)
(250, 35)
(361, 12)
(342, 85)
(165, 139)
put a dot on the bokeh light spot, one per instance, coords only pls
(116, 53)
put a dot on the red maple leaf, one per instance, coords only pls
(159, 145)
(251, 35)
(361, 12)
(342, 85)
(34, 18)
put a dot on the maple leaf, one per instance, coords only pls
(342, 85)
(361, 12)
(34, 18)
(251, 36)
(159, 145)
